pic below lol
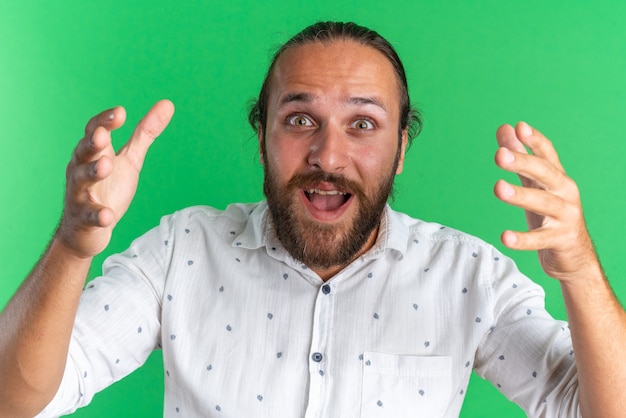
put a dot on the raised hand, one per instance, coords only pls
(100, 183)
(551, 200)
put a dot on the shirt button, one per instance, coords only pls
(317, 357)
(326, 289)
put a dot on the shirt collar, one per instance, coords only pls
(253, 235)
(259, 232)
(393, 235)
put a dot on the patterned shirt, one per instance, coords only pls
(247, 331)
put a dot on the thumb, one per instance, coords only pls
(146, 131)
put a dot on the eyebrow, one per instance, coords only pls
(367, 101)
(308, 98)
(297, 97)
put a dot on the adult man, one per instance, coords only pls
(322, 301)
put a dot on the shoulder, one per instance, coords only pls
(434, 234)
(207, 216)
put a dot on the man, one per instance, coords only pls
(322, 301)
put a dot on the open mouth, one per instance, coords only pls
(327, 200)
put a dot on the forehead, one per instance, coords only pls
(336, 70)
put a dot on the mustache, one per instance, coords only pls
(341, 182)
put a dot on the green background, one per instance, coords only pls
(471, 66)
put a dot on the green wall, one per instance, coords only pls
(471, 65)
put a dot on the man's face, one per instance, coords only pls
(331, 149)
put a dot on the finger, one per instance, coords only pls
(94, 215)
(538, 239)
(97, 134)
(507, 138)
(90, 148)
(537, 201)
(151, 126)
(531, 167)
(549, 237)
(85, 175)
(106, 217)
(111, 119)
(538, 144)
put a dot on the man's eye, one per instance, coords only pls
(299, 120)
(363, 125)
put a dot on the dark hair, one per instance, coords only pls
(327, 32)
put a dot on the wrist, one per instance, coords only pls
(587, 278)
(60, 246)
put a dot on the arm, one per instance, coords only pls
(36, 324)
(557, 230)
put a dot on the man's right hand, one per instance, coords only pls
(100, 183)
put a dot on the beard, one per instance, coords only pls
(316, 244)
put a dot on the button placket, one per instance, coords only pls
(318, 360)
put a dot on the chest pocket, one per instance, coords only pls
(405, 386)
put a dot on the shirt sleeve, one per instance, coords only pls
(527, 354)
(118, 323)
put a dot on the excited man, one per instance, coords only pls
(322, 301)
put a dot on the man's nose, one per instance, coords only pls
(329, 150)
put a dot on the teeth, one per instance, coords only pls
(326, 192)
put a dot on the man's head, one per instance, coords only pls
(326, 32)
(333, 121)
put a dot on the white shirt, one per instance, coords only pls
(247, 331)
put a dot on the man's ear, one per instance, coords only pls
(403, 143)
(261, 139)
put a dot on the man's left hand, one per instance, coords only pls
(556, 226)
